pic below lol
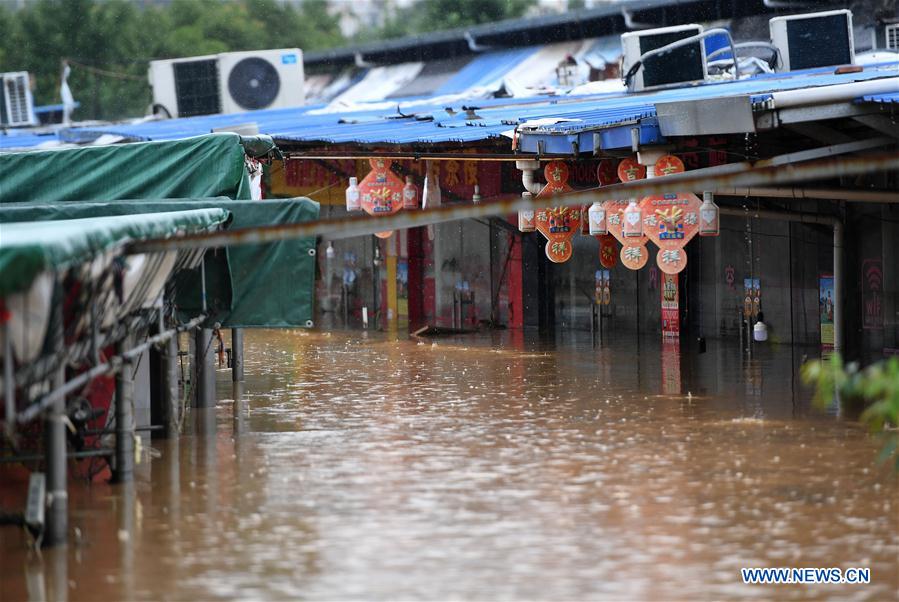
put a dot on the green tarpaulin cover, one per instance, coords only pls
(259, 285)
(205, 166)
(29, 248)
(252, 285)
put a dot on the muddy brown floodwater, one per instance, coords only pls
(357, 467)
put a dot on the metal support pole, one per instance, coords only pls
(204, 370)
(57, 513)
(237, 355)
(838, 260)
(170, 405)
(124, 416)
(9, 385)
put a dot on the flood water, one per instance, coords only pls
(484, 467)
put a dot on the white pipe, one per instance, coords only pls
(832, 94)
(528, 167)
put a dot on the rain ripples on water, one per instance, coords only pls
(488, 468)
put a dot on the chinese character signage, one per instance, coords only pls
(557, 224)
(671, 221)
(670, 306)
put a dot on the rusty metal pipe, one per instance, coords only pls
(744, 174)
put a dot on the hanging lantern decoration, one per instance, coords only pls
(629, 169)
(353, 198)
(671, 219)
(608, 251)
(557, 224)
(606, 172)
(634, 253)
(709, 216)
(410, 195)
(597, 220)
(526, 219)
(667, 165)
(381, 191)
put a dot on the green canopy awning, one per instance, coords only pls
(29, 248)
(255, 285)
(205, 166)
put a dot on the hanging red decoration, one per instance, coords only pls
(557, 224)
(634, 253)
(606, 172)
(671, 220)
(608, 251)
(629, 170)
(667, 165)
(381, 191)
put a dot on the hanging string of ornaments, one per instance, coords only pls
(381, 192)
(669, 220)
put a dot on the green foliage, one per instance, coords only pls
(110, 42)
(875, 387)
(435, 15)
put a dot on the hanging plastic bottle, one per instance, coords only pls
(476, 196)
(709, 216)
(410, 195)
(526, 217)
(353, 202)
(632, 226)
(597, 218)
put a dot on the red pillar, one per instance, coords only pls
(515, 280)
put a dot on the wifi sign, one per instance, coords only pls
(872, 294)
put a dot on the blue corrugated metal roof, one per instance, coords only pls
(891, 98)
(433, 124)
(24, 139)
(485, 70)
(614, 110)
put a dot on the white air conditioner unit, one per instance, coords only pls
(813, 40)
(681, 65)
(16, 103)
(230, 82)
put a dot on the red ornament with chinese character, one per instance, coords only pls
(634, 253)
(606, 172)
(667, 165)
(670, 220)
(608, 251)
(629, 170)
(381, 190)
(557, 224)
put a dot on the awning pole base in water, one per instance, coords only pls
(237, 355)
(124, 416)
(57, 512)
(205, 369)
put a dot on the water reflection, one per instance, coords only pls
(505, 466)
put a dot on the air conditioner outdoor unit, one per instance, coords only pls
(813, 40)
(230, 82)
(681, 65)
(16, 103)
